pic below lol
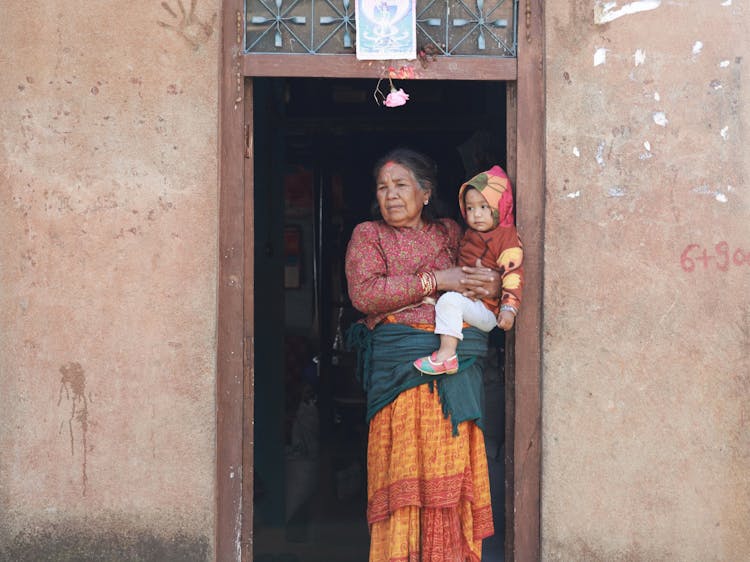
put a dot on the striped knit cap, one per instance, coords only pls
(495, 186)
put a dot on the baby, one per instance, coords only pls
(486, 203)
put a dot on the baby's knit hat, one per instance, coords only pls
(495, 186)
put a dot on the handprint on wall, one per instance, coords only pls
(188, 25)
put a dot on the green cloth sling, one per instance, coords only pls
(385, 356)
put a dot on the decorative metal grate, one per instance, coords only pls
(444, 27)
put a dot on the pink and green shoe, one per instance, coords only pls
(431, 366)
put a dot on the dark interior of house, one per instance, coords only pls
(315, 143)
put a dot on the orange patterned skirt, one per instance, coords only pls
(428, 491)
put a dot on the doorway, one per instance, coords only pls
(315, 142)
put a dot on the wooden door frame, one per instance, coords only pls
(235, 330)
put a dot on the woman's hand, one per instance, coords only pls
(479, 282)
(473, 282)
(449, 279)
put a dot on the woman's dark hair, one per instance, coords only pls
(425, 172)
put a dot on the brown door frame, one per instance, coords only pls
(235, 330)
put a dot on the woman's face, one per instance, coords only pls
(399, 196)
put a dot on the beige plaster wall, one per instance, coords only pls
(646, 451)
(108, 209)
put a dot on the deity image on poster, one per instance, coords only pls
(386, 29)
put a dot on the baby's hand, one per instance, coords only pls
(505, 320)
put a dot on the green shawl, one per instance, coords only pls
(385, 369)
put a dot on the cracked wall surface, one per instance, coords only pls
(646, 370)
(108, 205)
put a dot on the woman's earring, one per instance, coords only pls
(426, 202)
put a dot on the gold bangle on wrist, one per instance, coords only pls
(429, 283)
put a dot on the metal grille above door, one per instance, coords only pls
(476, 28)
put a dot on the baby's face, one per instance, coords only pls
(478, 211)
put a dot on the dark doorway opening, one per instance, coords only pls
(315, 142)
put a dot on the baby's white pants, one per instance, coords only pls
(453, 309)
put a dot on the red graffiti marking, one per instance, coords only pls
(722, 257)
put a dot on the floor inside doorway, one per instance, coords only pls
(324, 537)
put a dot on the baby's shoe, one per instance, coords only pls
(431, 366)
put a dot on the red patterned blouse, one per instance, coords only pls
(382, 264)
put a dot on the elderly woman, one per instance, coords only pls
(428, 496)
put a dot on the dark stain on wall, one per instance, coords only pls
(580, 550)
(574, 32)
(73, 382)
(54, 545)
